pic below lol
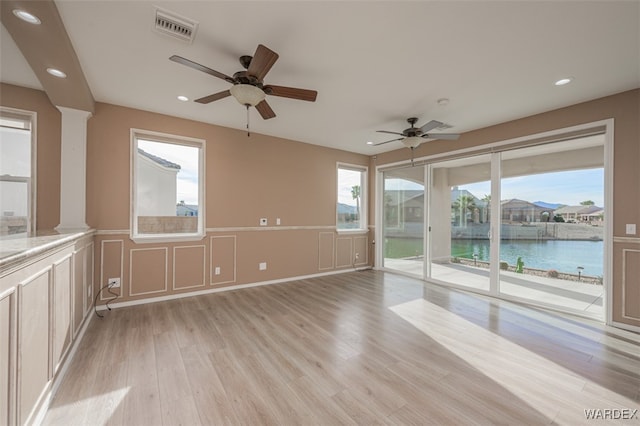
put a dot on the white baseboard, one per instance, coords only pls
(624, 326)
(221, 289)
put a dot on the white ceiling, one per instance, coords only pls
(373, 63)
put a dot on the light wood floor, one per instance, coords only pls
(358, 348)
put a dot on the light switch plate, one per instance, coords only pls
(262, 266)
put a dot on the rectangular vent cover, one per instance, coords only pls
(175, 26)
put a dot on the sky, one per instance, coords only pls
(569, 187)
(347, 179)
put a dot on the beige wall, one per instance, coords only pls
(246, 178)
(48, 149)
(263, 176)
(624, 108)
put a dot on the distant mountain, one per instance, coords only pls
(346, 209)
(553, 206)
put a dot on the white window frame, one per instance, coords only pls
(364, 202)
(31, 118)
(177, 140)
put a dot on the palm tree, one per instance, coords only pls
(487, 199)
(463, 204)
(355, 193)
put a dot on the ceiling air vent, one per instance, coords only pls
(175, 26)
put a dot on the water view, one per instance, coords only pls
(561, 255)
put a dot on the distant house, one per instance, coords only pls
(156, 185)
(515, 210)
(186, 209)
(580, 213)
(476, 212)
(401, 206)
(593, 216)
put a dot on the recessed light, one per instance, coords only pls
(564, 81)
(56, 73)
(369, 143)
(26, 16)
(183, 98)
(443, 101)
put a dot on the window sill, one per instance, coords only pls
(165, 238)
(352, 231)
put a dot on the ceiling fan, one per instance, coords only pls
(248, 85)
(414, 136)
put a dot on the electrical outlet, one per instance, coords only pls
(263, 221)
(262, 266)
(113, 282)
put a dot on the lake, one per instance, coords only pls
(561, 255)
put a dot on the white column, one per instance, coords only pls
(73, 175)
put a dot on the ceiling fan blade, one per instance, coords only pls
(262, 61)
(197, 66)
(443, 136)
(392, 140)
(292, 92)
(391, 133)
(430, 126)
(214, 97)
(265, 110)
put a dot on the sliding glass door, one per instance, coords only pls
(403, 216)
(552, 224)
(460, 248)
(524, 224)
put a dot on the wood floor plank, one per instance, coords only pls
(356, 348)
(142, 405)
(208, 391)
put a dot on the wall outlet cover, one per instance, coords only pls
(262, 266)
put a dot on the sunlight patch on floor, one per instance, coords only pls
(108, 401)
(540, 382)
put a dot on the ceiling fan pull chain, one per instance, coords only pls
(412, 149)
(248, 131)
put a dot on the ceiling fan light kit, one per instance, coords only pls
(412, 141)
(247, 94)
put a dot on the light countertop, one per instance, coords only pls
(16, 248)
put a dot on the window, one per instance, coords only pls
(167, 194)
(17, 177)
(351, 205)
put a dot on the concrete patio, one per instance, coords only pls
(573, 296)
